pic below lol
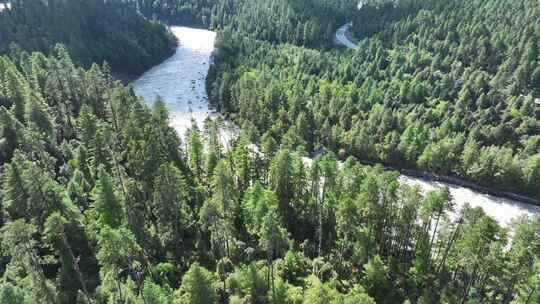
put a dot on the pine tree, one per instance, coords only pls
(217, 215)
(106, 201)
(17, 238)
(282, 178)
(117, 252)
(198, 287)
(170, 207)
(194, 149)
(71, 277)
(14, 190)
(376, 278)
(273, 239)
(36, 115)
(10, 134)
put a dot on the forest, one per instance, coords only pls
(103, 205)
(305, 23)
(102, 202)
(185, 12)
(449, 88)
(91, 30)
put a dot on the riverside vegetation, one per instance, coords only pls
(91, 30)
(103, 203)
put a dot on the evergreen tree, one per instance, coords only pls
(107, 204)
(198, 287)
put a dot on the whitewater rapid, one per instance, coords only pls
(180, 80)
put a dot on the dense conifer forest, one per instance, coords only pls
(102, 202)
(308, 23)
(184, 12)
(442, 86)
(91, 30)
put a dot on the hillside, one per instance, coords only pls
(91, 30)
(448, 88)
(102, 202)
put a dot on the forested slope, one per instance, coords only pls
(91, 30)
(309, 23)
(184, 12)
(102, 203)
(443, 86)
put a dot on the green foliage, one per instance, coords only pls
(106, 201)
(528, 291)
(92, 30)
(359, 296)
(102, 203)
(10, 294)
(170, 206)
(376, 276)
(426, 89)
(153, 294)
(118, 249)
(198, 286)
(249, 282)
(319, 292)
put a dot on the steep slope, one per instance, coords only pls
(92, 30)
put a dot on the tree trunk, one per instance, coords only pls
(76, 268)
(449, 246)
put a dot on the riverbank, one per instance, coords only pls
(504, 209)
(180, 81)
(456, 181)
(126, 78)
(343, 37)
(460, 182)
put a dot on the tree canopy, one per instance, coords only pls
(102, 202)
(91, 30)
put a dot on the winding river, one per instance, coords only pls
(180, 81)
(341, 37)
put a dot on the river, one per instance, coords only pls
(502, 209)
(341, 37)
(4, 6)
(180, 81)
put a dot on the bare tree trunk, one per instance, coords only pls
(273, 283)
(449, 246)
(434, 232)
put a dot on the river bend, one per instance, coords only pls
(180, 81)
